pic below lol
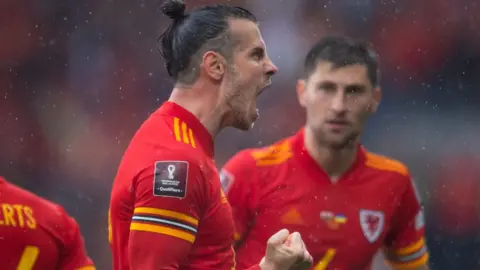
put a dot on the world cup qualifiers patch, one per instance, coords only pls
(170, 179)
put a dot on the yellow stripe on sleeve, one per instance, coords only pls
(411, 248)
(411, 264)
(184, 133)
(162, 230)
(192, 141)
(89, 267)
(176, 128)
(166, 213)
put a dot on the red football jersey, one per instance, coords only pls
(343, 224)
(167, 208)
(38, 234)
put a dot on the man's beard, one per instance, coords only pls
(237, 102)
(238, 115)
(349, 141)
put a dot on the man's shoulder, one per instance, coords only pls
(268, 156)
(385, 164)
(157, 140)
(389, 170)
(253, 164)
(23, 196)
(45, 212)
(157, 129)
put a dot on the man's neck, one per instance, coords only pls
(202, 103)
(333, 161)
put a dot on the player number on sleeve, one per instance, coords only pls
(326, 259)
(28, 259)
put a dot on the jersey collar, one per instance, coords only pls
(201, 133)
(298, 144)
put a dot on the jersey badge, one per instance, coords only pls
(170, 179)
(372, 223)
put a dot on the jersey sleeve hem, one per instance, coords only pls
(409, 257)
(166, 222)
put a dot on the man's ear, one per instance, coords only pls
(213, 65)
(301, 92)
(377, 92)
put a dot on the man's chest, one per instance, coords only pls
(217, 219)
(341, 223)
(216, 227)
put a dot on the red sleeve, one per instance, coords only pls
(170, 197)
(73, 255)
(405, 245)
(238, 178)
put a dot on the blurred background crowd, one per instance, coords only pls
(77, 78)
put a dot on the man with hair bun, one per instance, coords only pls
(167, 208)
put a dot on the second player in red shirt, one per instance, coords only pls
(346, 201)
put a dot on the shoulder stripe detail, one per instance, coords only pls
(176, 128)
(183, 133)
(272, 155)
(385, 164)
(134, 226)
(168, 214)
(89, 267)
(192, 140)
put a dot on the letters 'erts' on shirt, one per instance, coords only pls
(373, 205)
(167, 209)
(38, 234)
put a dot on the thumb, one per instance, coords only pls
(296, 241)
(279, 237)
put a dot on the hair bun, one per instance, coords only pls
(174, 9)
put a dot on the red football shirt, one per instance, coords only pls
(38, 234)
(372, 206)
(167, 208)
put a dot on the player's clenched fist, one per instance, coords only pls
(286, 251)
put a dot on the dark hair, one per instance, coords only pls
(341, 52)
(191, 34)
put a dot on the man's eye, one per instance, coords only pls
(257, 56)
(354, 90)
(327, 87)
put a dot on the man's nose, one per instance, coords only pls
(339, 102)
(272, 69)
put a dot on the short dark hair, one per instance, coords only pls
(342, 51)
(191, 34)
